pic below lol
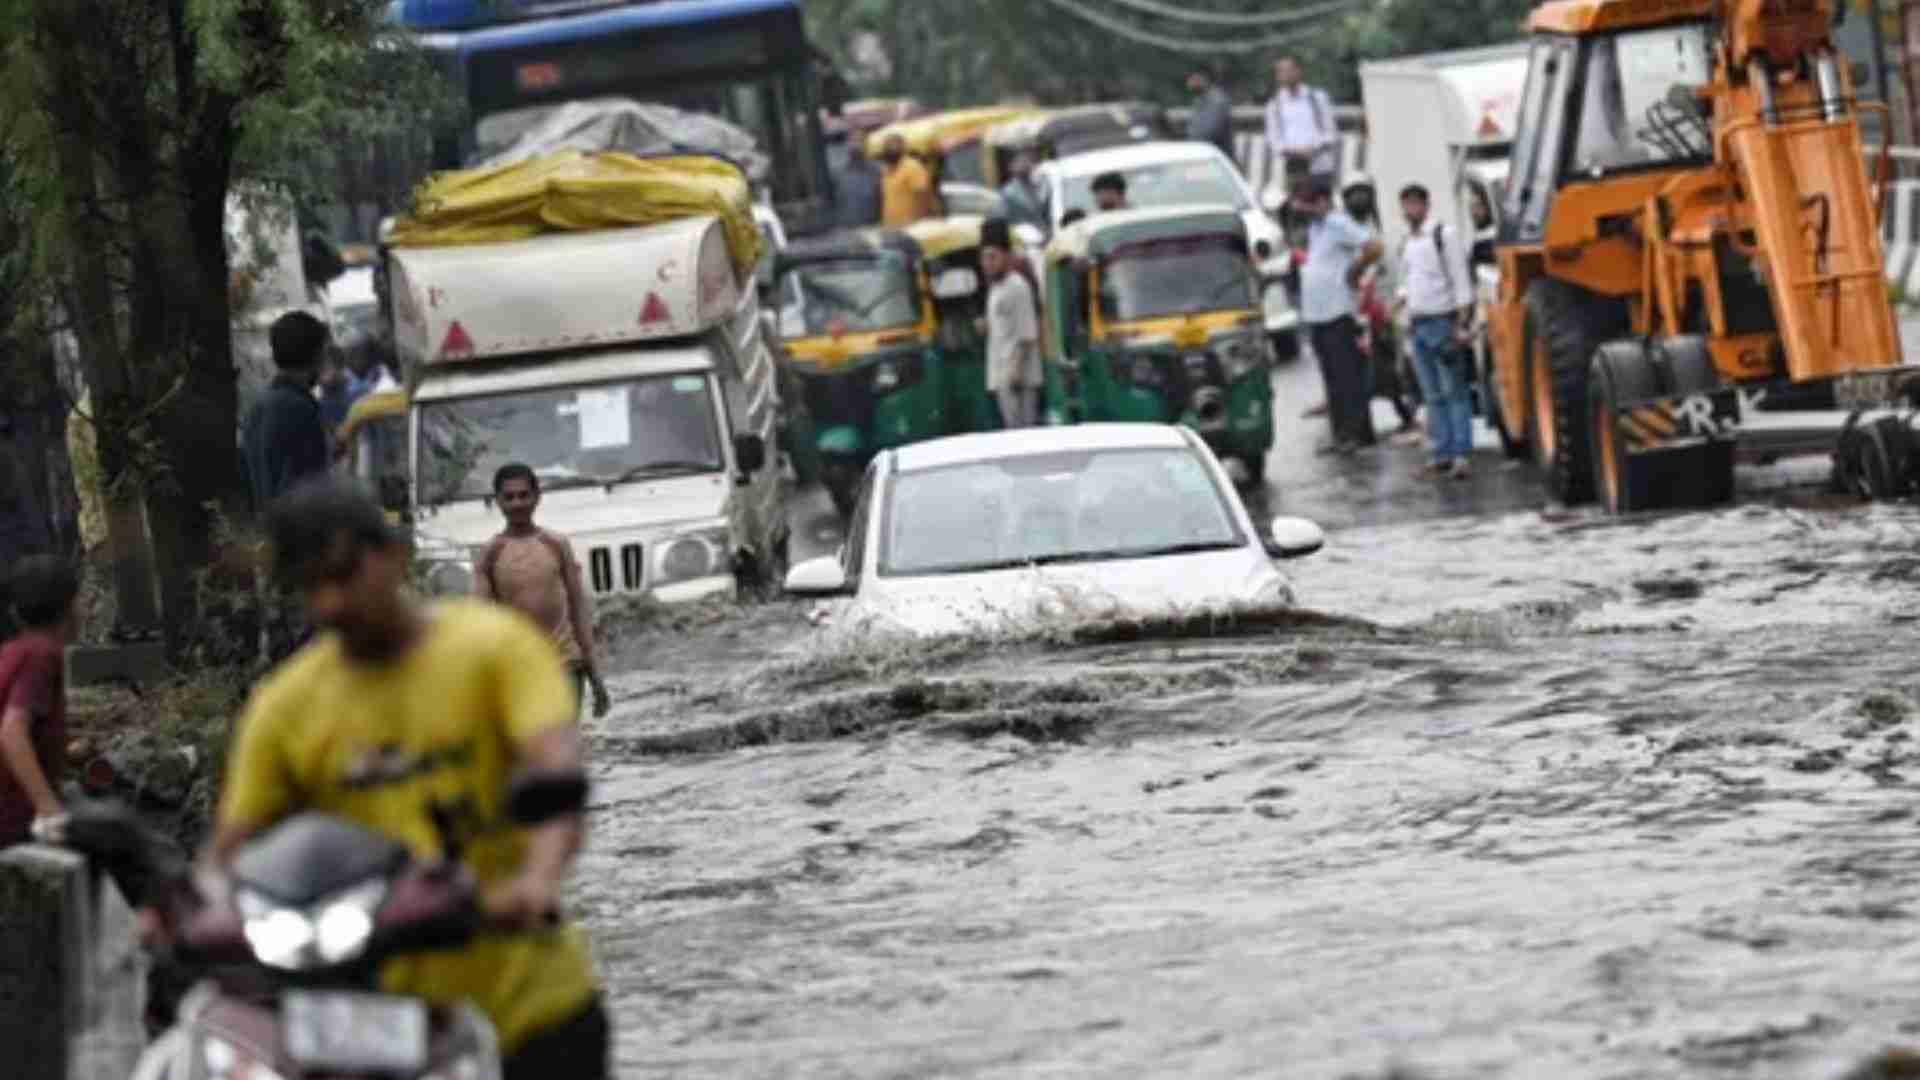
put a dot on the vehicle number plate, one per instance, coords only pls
(354, 1032)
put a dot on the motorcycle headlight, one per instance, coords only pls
(331, 932)
(694, 555)
(885, 376)
(1243, 356)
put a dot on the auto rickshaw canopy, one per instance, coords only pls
(1099, 235)
(940, 132)
(578, 191)
(1081, 126)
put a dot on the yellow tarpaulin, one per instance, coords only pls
(574, 191)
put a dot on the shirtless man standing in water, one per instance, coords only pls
(529, 568)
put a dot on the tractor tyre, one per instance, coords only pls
(1512, 442)
(1563, 326)
(1685, 365)
(1682, 477)
(1874, 459)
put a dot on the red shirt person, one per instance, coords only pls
(33, 715)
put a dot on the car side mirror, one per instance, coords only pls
(538, 796)
(1294, 538)
(751, 452)
(818, 577)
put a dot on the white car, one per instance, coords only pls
(1180, 174)
(1008, 529)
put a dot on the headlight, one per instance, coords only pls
(331, 932)
(1243, 356)
(1141, 371)
(694, 555)
(885, 376)
(449, 579)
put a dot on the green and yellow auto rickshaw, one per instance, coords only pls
(951, 142)
(1154, 315)
(951, 249)
(1059, 132)
(858, 327)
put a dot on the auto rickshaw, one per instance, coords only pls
(1057, 133)
(951, 142)
(951, 248)
(1154, 315)
(858, 327)
(373, 447)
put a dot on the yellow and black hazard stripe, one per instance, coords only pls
(1648, 427)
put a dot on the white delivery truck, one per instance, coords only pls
(628, 367)
(1443, 120)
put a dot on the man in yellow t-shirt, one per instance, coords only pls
(906, 195)
(396, 707)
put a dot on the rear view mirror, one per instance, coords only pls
(817, 577)
(751, 452)
(537, 796)
(956, 283)
(1294, 538)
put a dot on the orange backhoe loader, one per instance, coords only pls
(1690, 260)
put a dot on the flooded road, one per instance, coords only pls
(1521, 795)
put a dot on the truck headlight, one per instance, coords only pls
(692, 555)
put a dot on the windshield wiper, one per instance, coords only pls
(656, 468)
(1189, 548)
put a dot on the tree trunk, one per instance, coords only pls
(61, 31)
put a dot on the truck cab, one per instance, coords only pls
(628, 368)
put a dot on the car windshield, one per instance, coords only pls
(873, 293)
(573, 437)
(1625, 117)
(1171, 183)
(1063, 507)
(1173, 277)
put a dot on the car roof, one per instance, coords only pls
(1019, 442)
(1132, 156)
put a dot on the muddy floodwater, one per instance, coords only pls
(1524, 797)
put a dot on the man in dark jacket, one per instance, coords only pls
(286, 438)
(1212, 118)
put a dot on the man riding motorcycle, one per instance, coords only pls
(396, 713)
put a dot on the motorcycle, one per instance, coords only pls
(293, 937)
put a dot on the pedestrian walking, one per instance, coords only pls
(1211, 120)
(33, 710)
(907, 190)
(532, 570)
(1440, 302)
(1338, 254)
(1378, 338)
(1026, 205)
(1110, 191)
(1013, 330)
(1300, 127)
(859, 185)
(286, 432)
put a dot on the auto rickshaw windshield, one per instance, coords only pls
(1176, 277)
(875, 293)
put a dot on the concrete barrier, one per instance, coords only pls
(72, 977)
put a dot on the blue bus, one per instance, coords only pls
(748, 61)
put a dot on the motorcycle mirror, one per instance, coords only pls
(536, 797)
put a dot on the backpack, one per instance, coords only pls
(491, 555)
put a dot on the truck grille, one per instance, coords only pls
(601, 569)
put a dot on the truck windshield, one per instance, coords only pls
(1172, 183)
(1625, 118)
(577, 436)
(1174, 277)
(861, 294)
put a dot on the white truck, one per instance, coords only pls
(630, 369)
(1445, 121)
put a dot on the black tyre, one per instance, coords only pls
(1511, 443)
(1684, 477)
(1874, 459)
(1563, 326)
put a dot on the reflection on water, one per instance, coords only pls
(1591, 800)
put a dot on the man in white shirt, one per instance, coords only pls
(1338, 255)
(1300, 126)
(1013, 332)
(1438, 292)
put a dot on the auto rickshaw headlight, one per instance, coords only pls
(1142, 371)
(1243, 356)
(886, 376)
